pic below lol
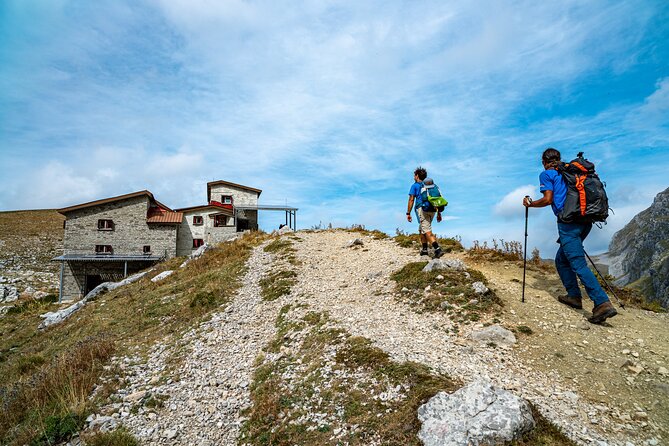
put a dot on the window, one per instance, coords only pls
(197, 220)
(103, 249)
(220, 220)
(197, 242)
(226, 199)
(105, 225)
(146, 249)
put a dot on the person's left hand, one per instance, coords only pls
(438, 216)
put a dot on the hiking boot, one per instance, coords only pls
(438, 253)
(572, 301)
(423, 252)
(602, 312)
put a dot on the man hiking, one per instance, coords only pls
(570, 258)
(424, 217)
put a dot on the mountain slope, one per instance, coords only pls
(639, 253)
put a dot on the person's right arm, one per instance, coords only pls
(409, 207)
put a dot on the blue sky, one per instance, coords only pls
(329, 106)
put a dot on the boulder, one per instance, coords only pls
(8, 293)
(285, 230)
(480, 288)
(162, 276)
(445, 264)
(477, 414)
(494, 333)
(355, 242)
(197, 253)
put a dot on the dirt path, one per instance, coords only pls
(617, 366)
(354, 286)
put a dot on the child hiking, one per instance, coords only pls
(424, 211)
(570, 258)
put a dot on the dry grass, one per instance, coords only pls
(373, 233)
(406, 240)
(452, 294)
(629, 295)
(134, 316)
(118, 437)
(31, 233)
(50, 406)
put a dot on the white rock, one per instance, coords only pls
(494, 333)
(162, 276)
(476, 414)
(480, 288)
(445, 264)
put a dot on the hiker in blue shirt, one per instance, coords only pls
(424, 218)
(570, 258)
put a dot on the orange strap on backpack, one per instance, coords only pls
(580, 180)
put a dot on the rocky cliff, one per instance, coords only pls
(639, 253)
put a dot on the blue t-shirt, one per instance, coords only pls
(415, 192)
(552, 180)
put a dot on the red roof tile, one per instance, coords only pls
(160, 215)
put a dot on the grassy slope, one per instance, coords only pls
(31, 238)
(36, 383)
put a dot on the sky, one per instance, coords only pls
(330, 106)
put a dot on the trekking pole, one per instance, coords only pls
(527, 209)
(605, 282)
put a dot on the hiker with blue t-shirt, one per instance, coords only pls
(570, 258)
(424, 217)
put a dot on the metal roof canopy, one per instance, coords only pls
(105, 258)
(291, 212)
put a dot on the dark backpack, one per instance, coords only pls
(586, 200)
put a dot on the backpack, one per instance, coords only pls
(586, 200)
(432, 200)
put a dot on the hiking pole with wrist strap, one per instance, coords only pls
(527, 209)
(605, 281)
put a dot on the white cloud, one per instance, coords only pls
(511, 205)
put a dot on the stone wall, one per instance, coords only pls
(241, 197)
(206, 231)
(131, 231)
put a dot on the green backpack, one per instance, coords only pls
(431, 197)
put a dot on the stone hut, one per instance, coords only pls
(106, 240)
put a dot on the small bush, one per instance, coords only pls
(524, 329)
(58, 429)
(119, 437)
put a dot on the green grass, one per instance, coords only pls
(312, 378)
(455, 289)
(118, 437)
(34, 387)
(277, 284)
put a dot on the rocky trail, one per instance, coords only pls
(602, 385)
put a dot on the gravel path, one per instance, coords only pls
(212, 388)
(211, 385)
(354, 286)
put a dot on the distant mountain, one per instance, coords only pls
(639, 253)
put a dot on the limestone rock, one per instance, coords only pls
(162, 276)
(285, 230)
(494, 333)
(480, 288)
(445, 264)
(355, 242)
(477, 414)
(8, 293)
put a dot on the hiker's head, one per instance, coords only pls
(551, 158)
(420, 173)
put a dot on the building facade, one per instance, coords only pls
(106, 240)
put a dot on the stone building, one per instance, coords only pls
(108, 239)
(105, 240)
